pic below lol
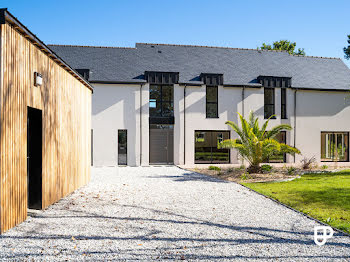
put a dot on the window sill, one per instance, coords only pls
(270, 118)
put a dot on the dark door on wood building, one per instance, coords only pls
(34, 158)
(161, 144)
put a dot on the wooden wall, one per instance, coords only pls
(66, 110)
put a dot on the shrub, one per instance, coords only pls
(291, 170)
(245, 176)
(266, 168)
(306, 163)
(216, 168)
(230, 169)
(257, 143)
(242, 167)
(324, 167)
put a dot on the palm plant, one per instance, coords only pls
(256, 144)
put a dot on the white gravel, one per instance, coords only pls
(153, 213)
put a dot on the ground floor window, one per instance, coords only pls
(206, 147)
(279, 158)
(122, 147)
(334, 146)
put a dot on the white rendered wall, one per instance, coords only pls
(118, 107)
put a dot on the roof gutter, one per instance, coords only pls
(6, 16)
(118, 82)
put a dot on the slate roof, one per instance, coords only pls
(239, 66)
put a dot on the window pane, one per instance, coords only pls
(155, 111)
(279, 157)
(212, 94)
(269, 110)
(269, 96)
(202, 148)
(334, 146)
(212, 111)
(220, 155)
(283, 103)
(206, 150)
(152, 103)
(154, 92)
(122, 147)
(167, 109)
(167, 93)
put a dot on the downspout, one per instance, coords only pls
(141, 124)
(295, 118)
(243, 101)
(242, 161)
(185, 124)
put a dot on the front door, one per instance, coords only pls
(161, 144)
(34, 158)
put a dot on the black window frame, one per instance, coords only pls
(161, 101)
(284, 103)
(268, 105)
(347, 145)
(126, 147)
(211, 147)
(210, 102)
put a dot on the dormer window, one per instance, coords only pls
(85, 73)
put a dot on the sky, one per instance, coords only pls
(320, 27)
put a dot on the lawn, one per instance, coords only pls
(322, 196)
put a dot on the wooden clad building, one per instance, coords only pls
(45, 112)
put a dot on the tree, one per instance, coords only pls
(347, 49)
(284, 45)
(255, 144)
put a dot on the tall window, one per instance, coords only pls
(206, 147)
(122, 147)
(212, 102)
(161, 101)
(283, 103)
(335, 146)
(269, 102)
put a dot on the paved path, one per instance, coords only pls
(164, 213)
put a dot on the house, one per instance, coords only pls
(167, 104)
(45, 124)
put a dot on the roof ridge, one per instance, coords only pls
(238, 48)
(222, 47)
(91, 46)
(312, 56)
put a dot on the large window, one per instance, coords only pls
(212, 102)
(269, 102)
(335, 146)
(284, 103)
(206, 147)
(161, 101)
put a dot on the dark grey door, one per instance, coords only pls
(161, 146)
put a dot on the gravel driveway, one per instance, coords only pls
(152, 213)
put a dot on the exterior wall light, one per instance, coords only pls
(38, 79)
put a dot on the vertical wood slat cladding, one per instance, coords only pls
(66, 116)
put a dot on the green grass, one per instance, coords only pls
(325, 197)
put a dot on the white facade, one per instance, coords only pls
(126, 106)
